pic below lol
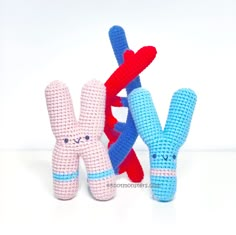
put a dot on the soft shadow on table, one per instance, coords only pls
(164, 212)
(42, 169)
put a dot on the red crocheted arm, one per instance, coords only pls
(119, 101)
(134, 64)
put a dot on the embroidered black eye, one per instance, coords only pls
(174, 157)
(86, 137)
(154, 156)
(66, 140)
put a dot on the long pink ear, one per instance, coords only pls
(92, 111)
(60, 108)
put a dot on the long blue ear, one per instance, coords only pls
(120, 45)
(119, 42)
(180, 115)
(145, 116)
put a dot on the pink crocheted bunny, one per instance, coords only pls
(75, 139)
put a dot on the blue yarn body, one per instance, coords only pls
(164, 144)
(120, 149)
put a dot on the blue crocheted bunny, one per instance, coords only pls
(164, 144)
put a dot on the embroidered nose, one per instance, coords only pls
(77, 140)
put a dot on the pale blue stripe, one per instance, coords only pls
(65, 177)
(100, 175)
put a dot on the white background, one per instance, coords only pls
(42, 41)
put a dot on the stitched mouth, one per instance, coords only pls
(165, 158)
(77, 140)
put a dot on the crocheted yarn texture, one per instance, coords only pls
(122, 156)
(133, 65)
(163, 144)
(75, 139)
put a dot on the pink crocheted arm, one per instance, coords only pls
(92, 120)
(92, 109)
(60, 108)
(63, 123)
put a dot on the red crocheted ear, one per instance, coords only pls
(133, 65)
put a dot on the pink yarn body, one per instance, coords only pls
(75, 139)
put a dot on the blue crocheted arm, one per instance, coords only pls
(120, 149)
(163, 145)
(118, 42)
(120, 126)
(120, 45)
(144, 115)
(180, 115)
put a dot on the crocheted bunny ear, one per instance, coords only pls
(180, 115)
(60, 108)
(119, 42)
(145, 115)
(92, 112)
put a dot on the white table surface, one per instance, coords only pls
(205, 201)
